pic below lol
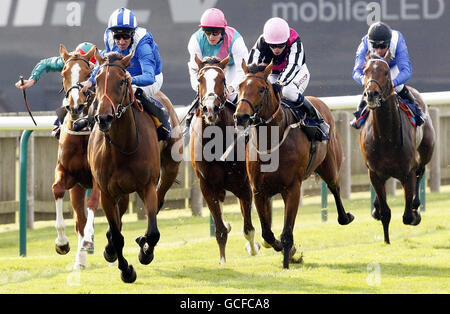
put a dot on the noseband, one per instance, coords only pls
(256, 118)
(222, 98)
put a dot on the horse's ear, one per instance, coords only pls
(244, 66)
(224, 62)
(268, 69)
(126, 60)
(198, 61)
(98, 57)
(90, 53)
(63, 52)
(387, 56)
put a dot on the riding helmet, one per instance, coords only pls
(379, 33)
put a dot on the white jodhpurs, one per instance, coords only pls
(296, 86)
(151, 90)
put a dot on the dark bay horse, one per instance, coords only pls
(390, 145)
(215, 176)
(125, 157)
(72, 170)
(258, 105)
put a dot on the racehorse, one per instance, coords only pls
(260, 106)
(72, 170)
(124, 156)
(390, 145)
(215, 176)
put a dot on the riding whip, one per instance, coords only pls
(26, 101)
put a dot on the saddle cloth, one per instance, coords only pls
(307, 124)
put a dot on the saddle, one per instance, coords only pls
(307, 124)
(412, 110)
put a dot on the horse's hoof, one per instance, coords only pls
(413, 219)
(252, 249)
(110, 257)
(146, 255)
(347, 219)
(129, 275)
(375, 214)
(222, 260)
(62, 249)
(78, 266)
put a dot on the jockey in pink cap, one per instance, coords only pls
(282, 45)
(216, 38)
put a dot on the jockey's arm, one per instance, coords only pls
(360, 60)
(147, 63)
(403, 63)
(294, 62)
(255, 52)
(240, 52)
(53, 64)
(194, 49)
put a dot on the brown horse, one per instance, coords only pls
(216, 177)
(297, 157)
(390, 145)
(72, 170)
(125, 157)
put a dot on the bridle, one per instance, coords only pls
(128, 91)
(222, 98)
(120, 107)
(78, 84)
(386, 89)
(256, 119)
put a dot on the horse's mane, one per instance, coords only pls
(255, 68)
(113, 56)
(211, 60)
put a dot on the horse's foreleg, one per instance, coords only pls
(264, 209)
(411, 216)
(62, 241)
(128, 274)
(245, 200)
(291, 197)
(151, 237)
(77, 200)
(92, 206)
(385, 212)
(212, 199)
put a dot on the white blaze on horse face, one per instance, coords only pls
(75, 78)
(210, 77)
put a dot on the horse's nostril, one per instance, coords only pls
(109, 118)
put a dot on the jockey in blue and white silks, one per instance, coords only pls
(379, 39)
(123, 35)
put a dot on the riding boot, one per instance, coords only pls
(161, 113)
(418, 114)
(60, 114)
(189, 117)
(56, 132)
(314, 114)
(357, 114)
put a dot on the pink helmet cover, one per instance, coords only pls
(213, 18)
(276, 31)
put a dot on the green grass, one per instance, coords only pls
(337, 259)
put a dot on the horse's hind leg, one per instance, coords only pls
(62, 241)
(385, 212)
(92, 206)
(128, 274)
(77, 200)
(411, 216)
(151, 237)
(169, 172)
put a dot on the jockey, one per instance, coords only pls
(379, 39)
(125, 36)
(282, 45)
(216, 38)
(54, 64)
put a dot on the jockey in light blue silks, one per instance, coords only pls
(123, 35)
(379, 39)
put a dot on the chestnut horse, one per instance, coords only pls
(298, 158)
(125, 157)
(72, 170)
(216, 177)
(390, 145)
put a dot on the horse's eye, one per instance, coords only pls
(261, 90)
(386, 73)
